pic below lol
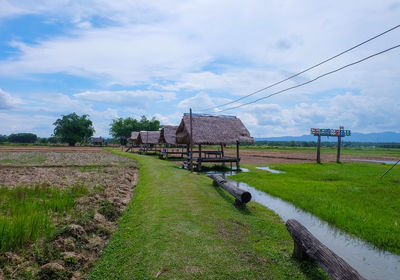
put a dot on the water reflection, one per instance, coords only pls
(377, 161)
(266, 168)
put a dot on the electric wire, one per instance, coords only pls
(303, 71)
(312, 80)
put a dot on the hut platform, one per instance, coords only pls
(144, 151)
(198, 162)
(167, 154)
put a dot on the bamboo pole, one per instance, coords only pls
(389, 169)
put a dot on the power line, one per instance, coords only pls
(313, 80)
(305, 70)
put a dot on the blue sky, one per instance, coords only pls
(159, 58)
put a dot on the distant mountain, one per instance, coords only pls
(381, 137)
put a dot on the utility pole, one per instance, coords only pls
(319, 149)
(339, 141)
(191, 141)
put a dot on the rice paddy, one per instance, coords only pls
(27, 213)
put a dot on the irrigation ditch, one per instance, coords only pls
(371, 262)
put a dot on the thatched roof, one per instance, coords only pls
(212, 130)
(134, 136)
(167, 134)
(97, 140)
(149, 137)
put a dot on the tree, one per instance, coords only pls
(22, 138)
(3, 138)
(73, 129)
(122, 128)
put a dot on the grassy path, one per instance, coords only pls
(348, 195)
(179, 223)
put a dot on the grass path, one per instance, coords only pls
(350, 196)
(179, 223)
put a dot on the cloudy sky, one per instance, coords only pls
(111, 59)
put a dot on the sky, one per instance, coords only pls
(112, 59)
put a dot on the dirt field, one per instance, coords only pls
(266, 157)
(49, 149)
(84, 232)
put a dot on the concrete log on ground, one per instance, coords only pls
(241, 195)
(306, 246)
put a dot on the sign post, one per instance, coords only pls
(339, 133)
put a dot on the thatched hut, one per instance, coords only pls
(97, 141)
(167, 138)
(167, 134)
(149, 141)
(134, 137)
(213, 130)
(134, 140)
(149, 137)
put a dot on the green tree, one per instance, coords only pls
(3, 138)
(22, 138)
(122, 128)
(73, 129)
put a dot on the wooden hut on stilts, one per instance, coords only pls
(148, 141)
(133, 140)
(167, 140)
(212, 130)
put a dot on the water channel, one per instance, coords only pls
(376, 161)
(370, 262)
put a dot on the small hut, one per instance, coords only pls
(213, 130)
(133, 140)
(167, 139)
(148, 141)
(134, 137)
(97, 141)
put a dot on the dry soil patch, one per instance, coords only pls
(83, 234)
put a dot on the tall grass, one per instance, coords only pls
(29, 213)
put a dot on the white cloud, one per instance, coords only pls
(9, 10)
(358, 112)
(7, 101)
(216, 51)
(199, 101)
(125, 98)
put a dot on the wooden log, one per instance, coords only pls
(240, 195)
(307, 246)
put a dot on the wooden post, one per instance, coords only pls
(222, 154)
(191, 141)
(147, 142)
(339, 140)
(306, 245)
(199, 161)
(237, 156)
(319, 149)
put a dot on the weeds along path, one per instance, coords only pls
(181, 227)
